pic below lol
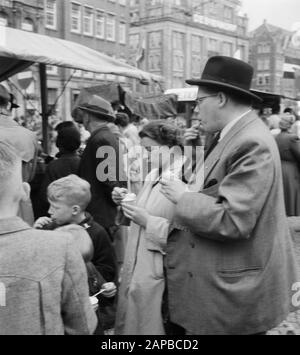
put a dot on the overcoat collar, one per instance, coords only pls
(216, 154)
(12, 225)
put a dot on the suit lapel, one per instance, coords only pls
(216, 154)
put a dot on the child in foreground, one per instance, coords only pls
(68, 198)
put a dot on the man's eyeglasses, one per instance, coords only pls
(199, 100)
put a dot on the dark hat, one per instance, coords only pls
(98, 107)
(227, 73)
(4, 94)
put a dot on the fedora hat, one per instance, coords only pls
(229, 74)
(98, 107)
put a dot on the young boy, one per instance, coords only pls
(68, 198)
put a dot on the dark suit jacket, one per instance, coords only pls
(102, 181)
(230, 260)
(289, 147)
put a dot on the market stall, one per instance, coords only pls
(20, 49)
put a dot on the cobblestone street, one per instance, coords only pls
(292, 324)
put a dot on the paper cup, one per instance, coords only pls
(94, 302)
(131, 200)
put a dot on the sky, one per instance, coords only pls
(282, 13)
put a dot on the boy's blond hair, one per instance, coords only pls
(72, 190)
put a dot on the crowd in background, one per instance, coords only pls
(124, 263)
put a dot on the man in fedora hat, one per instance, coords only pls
(96, 114)
(230, 262)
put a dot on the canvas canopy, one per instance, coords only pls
(20, 49)
(156, 107)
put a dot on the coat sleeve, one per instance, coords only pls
(229, 210)
(104, 257)
(156, 234)
(295, 148)
(77, 313)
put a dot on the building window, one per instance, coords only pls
(27, 25)
(213, 47)
(122, 33)
(228, 14)
(197, 43)
(3, 19)
(267, 79)
(227, 49)
(155, 40)
(88, 21)
(263, 64)
(134, 41)
(51, 14)
(264, 48)
(52, 97)
(242, 50)
(260, 80)
(111, 28)
(154, 62)
(52, 70)
(100, 24)
(178, 41)
(76, 18)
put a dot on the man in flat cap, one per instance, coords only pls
(230, 261)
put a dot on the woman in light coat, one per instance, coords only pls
(139, 310)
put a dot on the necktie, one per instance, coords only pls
(213, 144)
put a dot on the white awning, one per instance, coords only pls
(19, 49)
(184, 94)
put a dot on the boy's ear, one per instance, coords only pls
(76, 210)
(25, 192)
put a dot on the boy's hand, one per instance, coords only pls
(110, 290)
(42, 222)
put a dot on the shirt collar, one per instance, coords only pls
(12, 225)
(232, 123)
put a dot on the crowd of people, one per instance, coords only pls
(110, 240)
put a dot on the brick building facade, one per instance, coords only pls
(174, 38)
(276, 60)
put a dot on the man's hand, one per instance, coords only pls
(42, 222)
(137, 214)
(173, 189)
(110, 290)
(191, 134)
